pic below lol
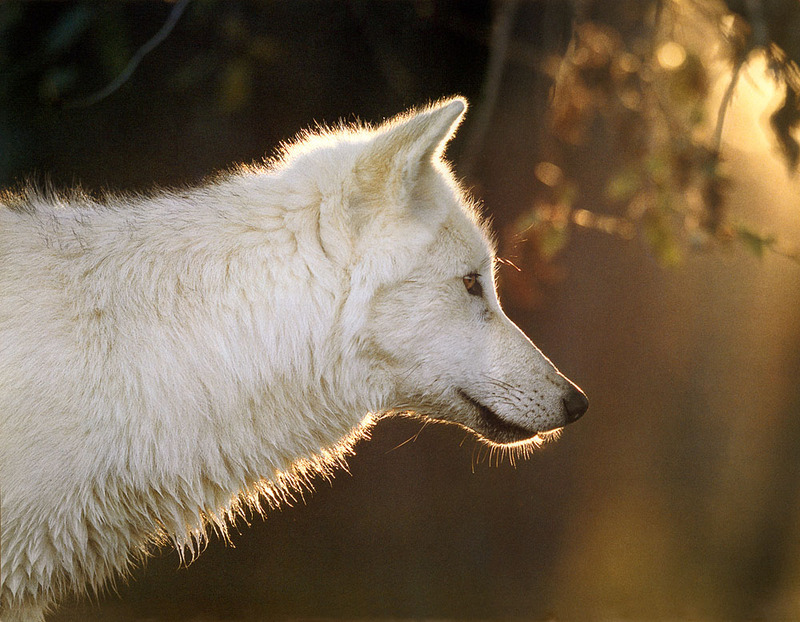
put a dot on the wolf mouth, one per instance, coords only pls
(494, 427)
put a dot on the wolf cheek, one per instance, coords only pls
(467, 363)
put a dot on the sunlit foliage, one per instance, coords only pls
(633, 89)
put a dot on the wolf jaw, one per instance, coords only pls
(493, 427)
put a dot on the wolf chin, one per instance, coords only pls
(172, 360)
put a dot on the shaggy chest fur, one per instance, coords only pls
(164, 364)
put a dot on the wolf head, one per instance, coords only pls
(422, 306)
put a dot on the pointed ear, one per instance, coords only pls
(423, 136)
(402, 146)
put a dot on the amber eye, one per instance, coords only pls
(473, 285)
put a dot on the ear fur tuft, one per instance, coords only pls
(424, 134)
(403, 145)
(440, 122)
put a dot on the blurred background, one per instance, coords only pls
(637, 160)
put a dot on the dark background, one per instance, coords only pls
(674, 498)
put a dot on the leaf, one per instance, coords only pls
(236, 85)
(624, 185)
(755, 242)
(111, 40)
(784, 121)
(56, 82)
(67, 30)
(659, 235)
(552, 237)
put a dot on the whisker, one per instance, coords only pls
(408, 440)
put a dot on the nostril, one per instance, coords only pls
(575, 404)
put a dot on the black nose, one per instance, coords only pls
(575, 403)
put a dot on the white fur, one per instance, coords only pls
(168, 361)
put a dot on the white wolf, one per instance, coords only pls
(168, 360)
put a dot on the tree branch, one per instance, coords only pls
(726, 102)
(502, 26)
(148, 47)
